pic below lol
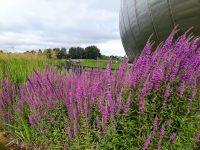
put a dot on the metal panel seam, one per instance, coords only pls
(132, 34)
(137, 17)
(152, 21)
(171, 14)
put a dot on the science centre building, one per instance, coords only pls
(139, 19)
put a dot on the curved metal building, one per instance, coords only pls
(140, 18)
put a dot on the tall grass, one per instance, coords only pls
(20, 65)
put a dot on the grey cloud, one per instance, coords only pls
(48, 23)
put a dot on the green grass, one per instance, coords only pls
(21, 65)
(103, 63)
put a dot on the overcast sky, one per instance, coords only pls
(34, 24)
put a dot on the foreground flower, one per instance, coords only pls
(126, 106)
(173, 138)
(147, 142)
(161, 135)
(155, 125)
(198, 137)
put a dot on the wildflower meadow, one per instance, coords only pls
(155, 104)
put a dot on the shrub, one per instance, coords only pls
(153, 105)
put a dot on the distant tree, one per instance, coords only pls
(54, 52)
(1, 51)
(114, 57)
(48, 53)
(92, 52)
(62, 53)
(72, 52)
(105, 57)
(76, 52)
(40, 51)
(33, 51)
(80, 52)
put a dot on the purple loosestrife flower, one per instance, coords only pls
(157, 78)
(167, 92)
(65, 147)
(155, 125)
(146, 88)
(118, 104)
(126, 106)
(108, 73)
(192, 95)
(181, 89)
(99, 136)
(161, 135)
(86, 112)
(169, 40)
(147, 48)
(133, 79)
(111, 103)
(173, 138)
(141, 103)
(146, 143)
(36, 114)
(32, 121)
(195, 44)
(104, 116)
(9, 116)
(103, 124)
(174, 71)
(102, 109)
(69, 133)
(75, 128)
(30, 82)
(198, 137)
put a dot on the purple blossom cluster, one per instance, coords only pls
(80, 92)
(177, 61)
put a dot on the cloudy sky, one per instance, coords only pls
(34, 24)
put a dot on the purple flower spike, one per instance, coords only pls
(198, 137)
(162, 132)
(111, 104)
(118, 104)
(173, 138)
(32, 121)
(126, 106)
(155, 125)
(69, 133)
(147, 142)
(141, 103)
(157, 78)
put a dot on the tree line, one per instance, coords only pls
(90, 52)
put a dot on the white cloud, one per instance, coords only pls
(29, 24)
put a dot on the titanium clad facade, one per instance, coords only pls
(140, 18)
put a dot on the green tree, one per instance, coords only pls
(40, 51)
(76, 52)
(92, 52)
(62, 53)
(48, 53)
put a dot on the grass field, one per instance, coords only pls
(20, 65)
(102, 63)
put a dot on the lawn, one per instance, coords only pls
(103, 63)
